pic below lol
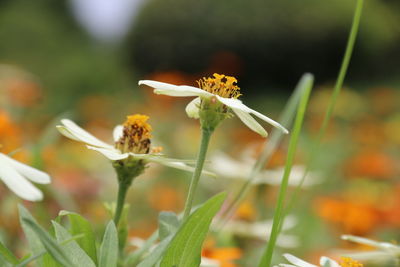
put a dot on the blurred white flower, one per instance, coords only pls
(324, 262)
(215, 90)
(74, 132)
(16, 176)
(386, 254)
(262, 230)
(227, 167)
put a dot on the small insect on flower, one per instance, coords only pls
(16, 176)
(215, 97)
(132, 144)
(324, 262)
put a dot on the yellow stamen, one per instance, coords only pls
(349, 262)
(221, 85)
(136, 135)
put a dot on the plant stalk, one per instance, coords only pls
(122, 190)
(205, 140)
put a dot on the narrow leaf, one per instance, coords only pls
(185, 248)
(80, 225)
(54, 249)
(7, 254)
(78, 255)
(155, 256)
(168, 223)
(109, 247)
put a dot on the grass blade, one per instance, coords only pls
(267, 255)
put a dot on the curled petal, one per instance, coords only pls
(250, 122)
(175, 90)
(238, 105)
(27, 171)
(118, 132)
(18, 184)
(73, 131)
(110, 153)
(296, 261)
(192, 109)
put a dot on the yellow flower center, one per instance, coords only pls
(136, 135)
(221, 85)
(349, 262)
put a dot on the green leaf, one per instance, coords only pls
(157, 253)
(133, 258)
(185, 248)
(109, 247)
(7, 254)
(168, 223)
(27, 259)
(4, 262)
(34, 242)
(77, 254)
(43, 237)
(79, 225)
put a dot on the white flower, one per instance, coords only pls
(386, 254)
(224, 97)
(296, 262)
(262, 231)
(227, 167)
(74, 132)
(16, 176)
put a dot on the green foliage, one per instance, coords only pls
(79, 225)
(72, 249)
(108, 256)
(168, 223)
(185, 247)
(6, 255)
(42, 239)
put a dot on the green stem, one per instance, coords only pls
(122, 190)
(328, 114)
(205, 140)
(267, 255)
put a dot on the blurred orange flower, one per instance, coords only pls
(225, 256)
(371, 164)
(353, 217)
(163, 197)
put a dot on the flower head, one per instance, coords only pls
(132, 143)
(16, 176)
(215, 97)
(324, 261)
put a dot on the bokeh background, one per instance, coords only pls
(82, 59)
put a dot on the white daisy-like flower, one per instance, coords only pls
(262, 230)
(385, 254)
(130, 143)
(324, 262)
(16, 176)
(220, 89)
(227, 167)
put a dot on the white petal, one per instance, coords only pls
(27, 171)
(192, 109)
(175, 90)
(118, 132)
(237, 104)
(270, 121)
(250, 122)
(18, 184)
(370, 242)
(73, 131)
(296, 261)
(110, 153)
(173, 164)
(331, 263)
